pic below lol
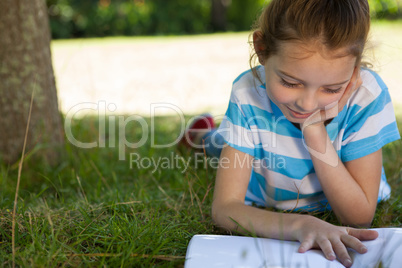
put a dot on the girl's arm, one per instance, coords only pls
(230, 212)
(351, 187)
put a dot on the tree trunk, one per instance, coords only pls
(25, 65)
(218, 14)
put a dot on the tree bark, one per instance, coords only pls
(26, 66)
(218, 14)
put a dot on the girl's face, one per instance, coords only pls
(302, 79)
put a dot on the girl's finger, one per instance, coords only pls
(306, 245)
(342, 253)
(326, 248)
(357, 81)
(354, 243)
(362, 234)
(353, 82)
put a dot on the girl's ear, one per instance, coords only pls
(259, 46)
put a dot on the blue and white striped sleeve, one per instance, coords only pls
(371, 119)
(235, 128)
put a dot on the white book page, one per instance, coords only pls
(238, 251)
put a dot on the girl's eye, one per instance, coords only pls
(326, 90)
(287, 84)
(332, 91)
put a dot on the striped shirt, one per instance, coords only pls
(283, 174)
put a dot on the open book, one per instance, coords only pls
(238, 251)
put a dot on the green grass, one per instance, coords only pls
(111, 208)
(113, 215)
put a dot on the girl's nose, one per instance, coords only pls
(307, 102)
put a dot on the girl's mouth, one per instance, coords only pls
(299, 115)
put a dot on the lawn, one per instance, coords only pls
(97, 209)
(194, 73)
(94, 210)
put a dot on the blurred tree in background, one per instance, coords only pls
(89, 18)
(242, 14)
(218, 14)
(386, 9)
(26, 66)
(76, 18)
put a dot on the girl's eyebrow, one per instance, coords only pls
(302, 82)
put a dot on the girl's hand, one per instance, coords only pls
(322, 115)
(332, 240)
(355, 82)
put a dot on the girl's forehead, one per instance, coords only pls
(312, 64)
(298, 50)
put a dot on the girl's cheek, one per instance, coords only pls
(330, 102)
(281, 95)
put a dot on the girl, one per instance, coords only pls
(304, 130)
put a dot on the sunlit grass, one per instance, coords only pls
(181, 70)
(94, 210)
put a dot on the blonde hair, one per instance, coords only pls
(334, 23)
